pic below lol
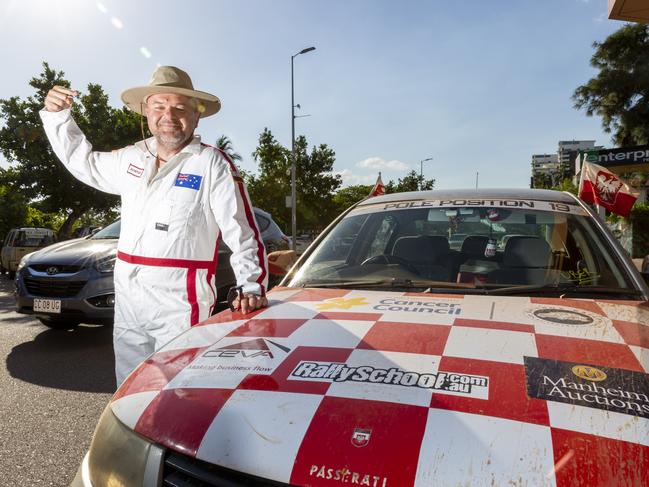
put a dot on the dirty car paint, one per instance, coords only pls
(336, 387)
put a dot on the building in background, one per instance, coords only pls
(545, 167)
(569, 150)
(549, 170)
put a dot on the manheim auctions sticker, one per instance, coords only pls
(593, 386)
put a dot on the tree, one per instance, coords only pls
(225, 144)
(270, 186)
(35, 171)
(346, 197)
(316, 185)
(566, 184)
(542, 181)
(619, 94)
(410, 182)
(314, 182)
(14, 209)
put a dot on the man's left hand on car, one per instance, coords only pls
(249, 302)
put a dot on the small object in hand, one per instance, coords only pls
(235, 293)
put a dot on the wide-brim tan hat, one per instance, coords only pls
(169, 79)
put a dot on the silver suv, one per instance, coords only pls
(71, 281)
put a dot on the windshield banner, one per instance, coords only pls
(486, 203)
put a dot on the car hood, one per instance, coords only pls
(327, 387)
(74, 251)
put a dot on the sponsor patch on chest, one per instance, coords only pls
(134, 170)
(190, 181)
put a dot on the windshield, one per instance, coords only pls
(111, 231)
(25, 239)
(529, 244)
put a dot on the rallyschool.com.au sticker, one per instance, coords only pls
(619, 390)
(566, 316)
(346, 476)
(443, 382)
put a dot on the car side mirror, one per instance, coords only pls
(281, 261)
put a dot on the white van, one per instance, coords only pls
(20, 242)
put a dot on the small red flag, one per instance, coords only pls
(379, 187)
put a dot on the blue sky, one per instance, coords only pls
(478, 86)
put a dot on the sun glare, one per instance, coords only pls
(68, 21)
(48, 17)
(116, 23)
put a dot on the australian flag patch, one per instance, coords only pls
(191, 181)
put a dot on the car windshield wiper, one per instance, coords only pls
(391, 283)
(563, 289)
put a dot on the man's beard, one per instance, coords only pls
(172, 141)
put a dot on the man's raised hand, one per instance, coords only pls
(59, 98)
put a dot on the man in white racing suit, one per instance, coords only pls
(178, 198)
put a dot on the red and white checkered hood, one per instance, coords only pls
(333, 387)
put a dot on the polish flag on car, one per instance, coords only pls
(379, 187)
(600, 186)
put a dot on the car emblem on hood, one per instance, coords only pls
(361, 437)
(52, 270)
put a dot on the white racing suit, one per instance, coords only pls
(171, 223)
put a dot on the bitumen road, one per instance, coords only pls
(53, 388)
(54, 385)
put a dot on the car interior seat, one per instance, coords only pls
(473, 248)
(474, 263)
(526, 260)
(429, 254)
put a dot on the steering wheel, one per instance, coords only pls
(390, 259)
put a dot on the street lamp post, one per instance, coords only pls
(293, 195)
(421, 171)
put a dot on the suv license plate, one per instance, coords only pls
(47, 305)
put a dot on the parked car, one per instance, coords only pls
(72, 282)
(20, 242)
(274, 241)
(86, 230)
(388, 359)
(302, 242)
(273, 237)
